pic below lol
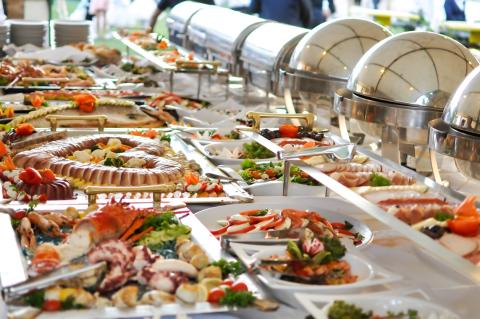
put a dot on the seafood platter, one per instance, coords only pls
(141, 200)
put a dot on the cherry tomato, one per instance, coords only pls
(288, 130)
(239, 286)
(215, 295)
(42, 198)
(3, 149)
(47, 176)
(24, 129)
(467, 227)
(19, 214)
(30, 176)
(86, 102)
(37, 100)
(51, 305)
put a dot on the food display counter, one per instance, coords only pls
(152, 200)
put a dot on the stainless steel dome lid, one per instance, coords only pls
(463, 110)
(180, 15)
(417, 69)
(223, 28)
(332, 49)
(267, 46)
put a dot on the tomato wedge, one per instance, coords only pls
(30, 176)
(288, 130)
(51, 305)
(467, 227)
(215, 295)
(3, 149)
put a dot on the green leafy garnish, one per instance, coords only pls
(167, 228)
(255, 150)
(237, 298)
(248, 164)
(379, 180)
(442, 216)
(15, 223)
(166, 138)
(116, 162)
(335, 247)
(233, 268)
(35, 299)
(69, 304)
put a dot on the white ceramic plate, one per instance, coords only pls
(190, 136)
(369, 274)
(335, 210)
(275, 188)
(211, 150)
(318, 306)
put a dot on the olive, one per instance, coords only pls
(434, 232)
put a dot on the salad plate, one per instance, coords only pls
(233, 153)
(272, 184)
(350, 273)
(209, 135)
(326, 307)
(334, 210)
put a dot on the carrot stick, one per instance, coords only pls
(135, 225)
(138, 236)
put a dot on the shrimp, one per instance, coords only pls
(27, 236)
(46, 226)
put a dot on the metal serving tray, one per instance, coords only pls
(234, 193)
(432, 248)
(15, 271)
(165, 67)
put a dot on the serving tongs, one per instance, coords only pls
(342, 152)
(266, 238)
(248, 255)
(76, 268)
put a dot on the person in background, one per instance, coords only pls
(99, 8)
(294, 12)
(455, 10)
(167, 4)
(319, 16)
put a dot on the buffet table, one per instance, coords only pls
(176, 182)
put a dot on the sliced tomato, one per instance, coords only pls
(309, 144)
(215, 295)
(288, 130)
(271, 173)
(338, 225)
(345, 232)
(239, 286)
(51, 305)
(273, 224)
(250, 212)
(297, 222)
(287, 223)
(257, 219)
(220, 231)
(191, 179)
(19, 214)
(240, 229)
(467, 227)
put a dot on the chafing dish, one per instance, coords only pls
(324, 59)
(265, 50)
(398, 86)
(220, 32)
(179, 19)
(457, 133)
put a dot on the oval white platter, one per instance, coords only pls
(211, 150)
(335, 210)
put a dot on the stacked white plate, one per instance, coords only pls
(29, 32)
(4, 34)
(71, 31)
